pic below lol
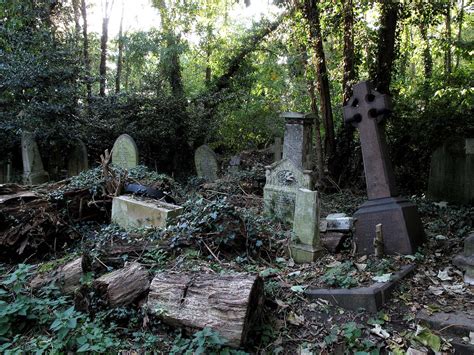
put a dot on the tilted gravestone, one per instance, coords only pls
(402, 227)
(286, 176)
(206, 163)
(306, 227)
(77, 159)
(125, 152)
(452, 172)
(33, 170)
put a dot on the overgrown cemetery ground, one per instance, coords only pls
(222, 231)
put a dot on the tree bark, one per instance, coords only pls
(67, 277)
(386, 46)
(120, 54)
(447, 54)
(459, 36)
(427, 58)
(87, 62)
(77, 16)
(103, 47)
(229, 304)
(123, 286)
(311, 12)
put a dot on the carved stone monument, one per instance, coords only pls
(125, 152)
(77, 159)
(206, 163)
(306, 227)
(286, 176)
(402, 227)
(452, 172)
(297, 143)
(33, 170)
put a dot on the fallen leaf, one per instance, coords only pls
(427, 338)
(361, 267)
(379, 331)
(443, 275)
(437, 291)
(295, 319)
(298, 288)
(280, 303)
(334, 264)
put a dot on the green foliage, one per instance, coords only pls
(46, 323)
(206, 341)
(341, 275)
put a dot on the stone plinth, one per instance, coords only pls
(133, 212)
(306, 227)
(402, 228)
(283, 179)
(465, 261)
(297, 143)
(452, 172)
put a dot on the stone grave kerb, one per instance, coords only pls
(297, 142)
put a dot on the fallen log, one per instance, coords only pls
(229, 304)
(67, 277)
(123, 286)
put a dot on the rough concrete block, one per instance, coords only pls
(132, 211)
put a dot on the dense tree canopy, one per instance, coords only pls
(201, 75)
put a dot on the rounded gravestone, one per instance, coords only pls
(206, 163)
(77, 159)
(125, 152)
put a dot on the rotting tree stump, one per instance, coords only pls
(123, 286)
(67, 276)
(229, 304)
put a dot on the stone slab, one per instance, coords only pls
(339, 222)
(371, 298)
(134, 212)
(205, 161)
(456, 323)
(401, 225)
(125, 152)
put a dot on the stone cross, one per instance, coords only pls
(402, 227)
(366, 110)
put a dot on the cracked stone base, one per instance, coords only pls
(303, 253)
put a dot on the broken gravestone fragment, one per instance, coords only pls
(206, 164)
(125, 152)
(33, 170)
(465, 261)
(403, 230)
(134, 212)
(306, 227)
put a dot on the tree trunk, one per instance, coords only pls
(341, 162)
(77, 16)
(229, 304)
(311, 12)
(67, 277)
(87, 62)
(386, 46)
(447, 54)
(123, 286)
(459, 37)
(103, 47)
(427, 58)
(120, 55)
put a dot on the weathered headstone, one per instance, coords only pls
(306, 227)
(234, 164)
(277, 149)
(403, 230)
(77, 159)
(125, 152)
(283, 179)
(206, 163)
(465, 261)
(33, 170)
(452, 172)
(297, 143)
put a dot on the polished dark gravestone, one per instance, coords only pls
(402, 227)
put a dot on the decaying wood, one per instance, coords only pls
(229, 304)
(67, 277)
(123, 286)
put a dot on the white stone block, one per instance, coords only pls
(339, 222)
(134, 211)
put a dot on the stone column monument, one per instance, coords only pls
(402, 227)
